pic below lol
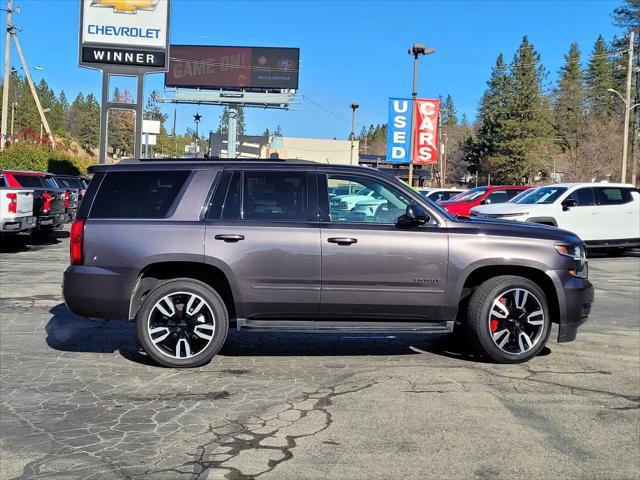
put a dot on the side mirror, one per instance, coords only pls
(568, 203)
(414, 216)
(486, 201)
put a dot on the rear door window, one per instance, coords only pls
(612, 195)
(3, 182)
(148, 194)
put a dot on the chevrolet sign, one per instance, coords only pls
(124, 32)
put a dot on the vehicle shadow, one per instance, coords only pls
(24, 243)
(71, 333)
(67, 332)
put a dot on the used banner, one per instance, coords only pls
(425, 132)
(399, 131)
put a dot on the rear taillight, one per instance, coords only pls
(76, 250)
(66, 199)
(13, 202)
(46, 204)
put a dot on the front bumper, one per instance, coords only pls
(574, 307)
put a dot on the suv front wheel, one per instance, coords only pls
(509, 319)
(182, 323)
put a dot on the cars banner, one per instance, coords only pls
(425, 131)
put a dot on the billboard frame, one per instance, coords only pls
(231, 88)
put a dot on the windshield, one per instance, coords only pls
(520, 196)
(541, 196)
(470, 194)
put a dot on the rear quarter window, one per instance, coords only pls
(31, 181)
(148, 194)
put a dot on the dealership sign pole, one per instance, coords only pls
(124, 38)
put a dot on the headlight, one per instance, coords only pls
(579, 267)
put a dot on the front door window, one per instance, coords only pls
(355, 199)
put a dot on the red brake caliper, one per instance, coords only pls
(494, 321)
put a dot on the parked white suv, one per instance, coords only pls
(603, 215)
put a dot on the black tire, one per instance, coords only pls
(176, 289)
(480, 321)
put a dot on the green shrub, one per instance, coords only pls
(40, 159)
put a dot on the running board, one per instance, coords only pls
(332, 326)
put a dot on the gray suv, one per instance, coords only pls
(186, 248)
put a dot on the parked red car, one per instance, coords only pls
(463, 203)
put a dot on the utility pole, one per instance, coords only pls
(417, 50)
(352, 136)
(7, 66)
(34, 92)
(625, 146)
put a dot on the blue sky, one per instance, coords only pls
(350, 50)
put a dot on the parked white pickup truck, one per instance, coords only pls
(603, 215)
(16, 210)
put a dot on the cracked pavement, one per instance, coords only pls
(79, 401)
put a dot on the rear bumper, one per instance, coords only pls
(575, 305)
(18, 224)
(48, 222)
(96, 292)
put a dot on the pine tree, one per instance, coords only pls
(89, 127)
(60, 113)
(598, 78)
(528, 127)
(448, 115)
(223, 125)
(75, 114)
(569, 107)
(152, 109)
(492, 116)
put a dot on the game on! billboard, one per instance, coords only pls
(418, 140)
(124, 35)
(216, 67)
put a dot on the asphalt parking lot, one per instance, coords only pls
(78, 401)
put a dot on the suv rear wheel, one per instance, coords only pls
(182, 323)
(509, 319)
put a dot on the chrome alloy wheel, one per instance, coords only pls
(181, 325)
(516, 321)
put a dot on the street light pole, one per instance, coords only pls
(352, 136)
(417, 50)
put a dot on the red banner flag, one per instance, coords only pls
(425, 131)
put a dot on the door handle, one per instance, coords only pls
(229, 238)
(342, 240)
